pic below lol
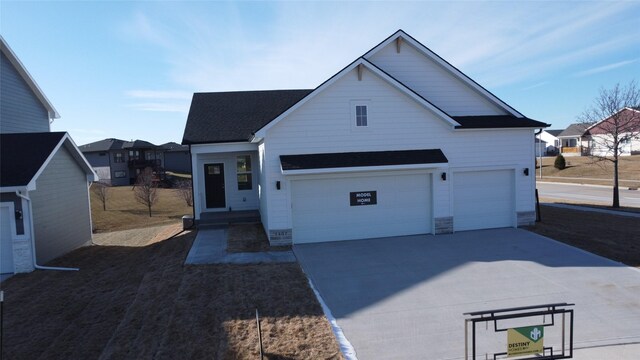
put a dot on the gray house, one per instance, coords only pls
(177, 158)
(119, 162)
(574, 140)
(44, 179)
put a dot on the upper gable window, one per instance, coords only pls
(361, 115)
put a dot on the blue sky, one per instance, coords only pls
(128, 69)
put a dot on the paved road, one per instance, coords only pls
(587, 194)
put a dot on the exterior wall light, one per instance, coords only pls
(526, 171)
(443, 176)
(278, 185)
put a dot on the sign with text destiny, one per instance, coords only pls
(527, 340)
(363, 198)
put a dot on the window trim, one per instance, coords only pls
(123, 172)
(248, 173)
(353, 119)
(118, 157)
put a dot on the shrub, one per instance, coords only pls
(560, 164)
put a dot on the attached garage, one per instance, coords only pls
(483, 199)
(361, 206)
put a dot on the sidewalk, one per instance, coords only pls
(587, 208)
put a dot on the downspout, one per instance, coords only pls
(540, 149)
(193, 192)
(33, 240)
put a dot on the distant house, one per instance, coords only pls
(540, 148)
(551, 142)
(44, 179)
(119, 162)
(627, 124)
(177, 158)
(574, 140)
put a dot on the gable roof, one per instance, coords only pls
(116, 144)
(22, 70)
(25, 155)
(174, 147)
(627, 121)
(235, 116)
(577, 129)
(554, 132)
(221, 117)
(400, 34)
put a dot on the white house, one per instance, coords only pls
(44, 179)
(550, 142)
(399, 142)
(626, 123)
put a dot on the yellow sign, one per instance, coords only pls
(525, 341)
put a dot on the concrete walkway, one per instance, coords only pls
(210, 247)
(592, 209)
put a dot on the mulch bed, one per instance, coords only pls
(142, 303)
(614, 237)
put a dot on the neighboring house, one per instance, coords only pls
(574, 141)
(44, 179)
(119, 162)
(399, 142)
(552, 143)
(177, 158)
(540, 148)
(627, 124)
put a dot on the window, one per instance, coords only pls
(243, 169)
(556, 143)
(134, 155)
(361, 115)
(118, 157)
(148, 155)
(119, 174)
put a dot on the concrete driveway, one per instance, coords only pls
(404, 297)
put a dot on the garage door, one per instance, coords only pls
(483, 200)
(6, 241)
(360, 207)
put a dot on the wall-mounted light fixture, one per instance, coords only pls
(278, 185)
(526, 171)
(443, 176)
(18, 214)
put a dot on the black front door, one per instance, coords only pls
(214, 185)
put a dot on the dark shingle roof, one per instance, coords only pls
(554, 132)
(358, 159)
(496, 122)
(24, 154)
(174, 147)
(574, 130)
(115, 144)
(235, 116)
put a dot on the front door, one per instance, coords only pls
(214, 185)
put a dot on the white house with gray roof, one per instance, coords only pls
(399, 142)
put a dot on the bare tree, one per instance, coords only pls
(185, 191)
(616, 122)
(146, 189)
(102, 193)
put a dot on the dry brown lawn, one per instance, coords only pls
(124, 212)
(584, 168)
(250, 238)
(614, 237)
(142, 303)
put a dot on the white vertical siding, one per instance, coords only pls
(61, 213)
(433, 82)
(396, 123)
(262, 186)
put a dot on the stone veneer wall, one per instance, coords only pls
(444, 225)
(526, 218)
(22, 257)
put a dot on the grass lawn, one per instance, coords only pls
(581, 167)
(614, 237)
(142, 303)
(250, 238)
(124, 212)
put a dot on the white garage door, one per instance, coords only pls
(6, 241)
(483, 200)
(329, 209)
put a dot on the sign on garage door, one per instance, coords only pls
(397, 204)
(483, 199)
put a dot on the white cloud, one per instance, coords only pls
(603, 68)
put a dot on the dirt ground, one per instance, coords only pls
(140, 302)
(250, 238)
(124, 213)
(582, 168)
(614, 237)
